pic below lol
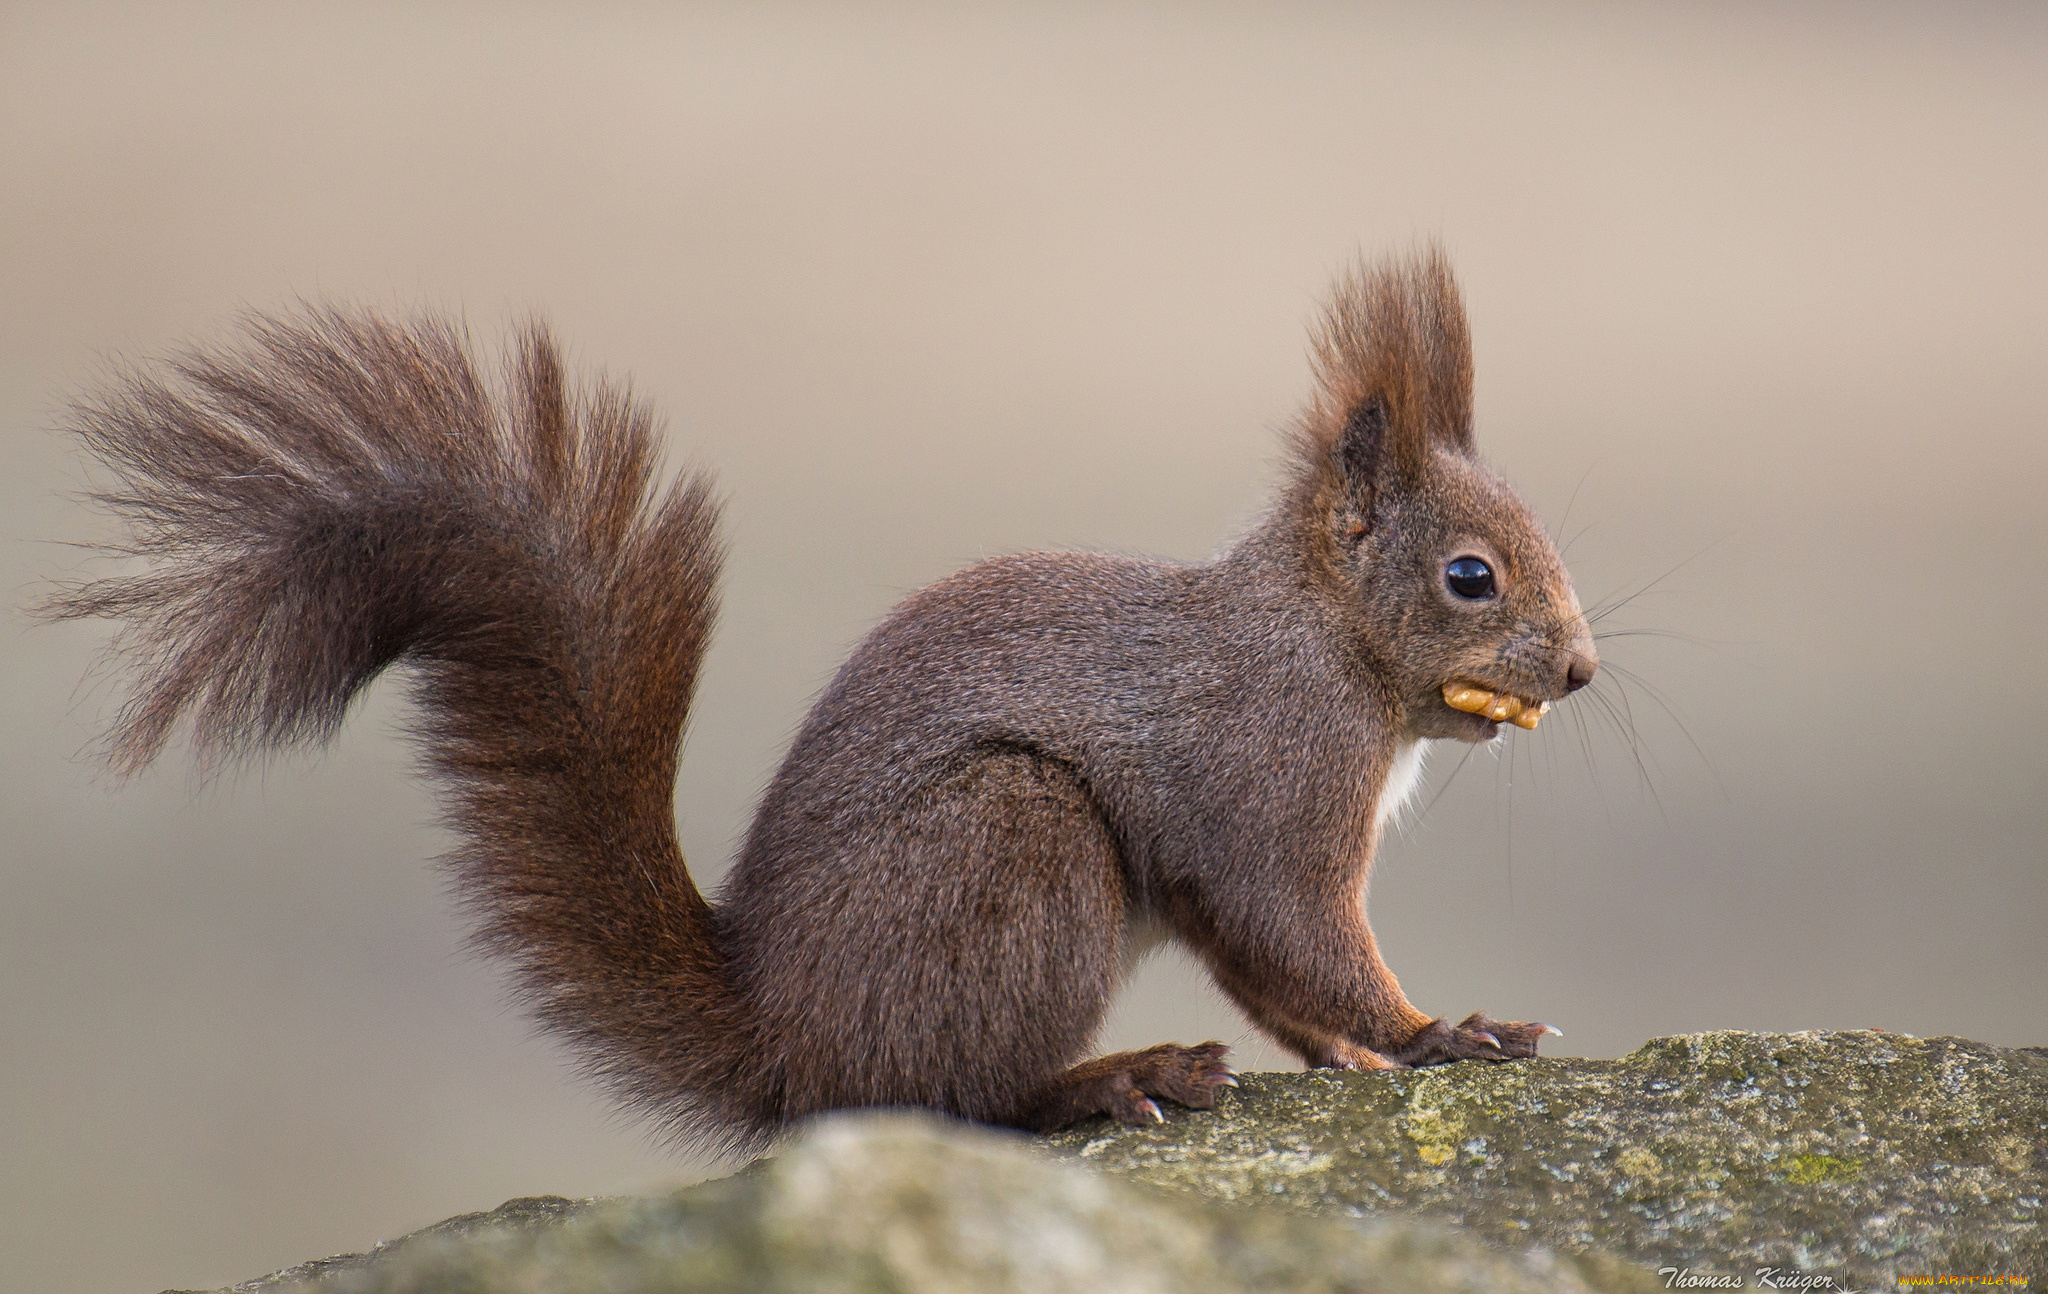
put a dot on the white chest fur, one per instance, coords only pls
(1404, 779)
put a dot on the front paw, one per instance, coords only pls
(1477, 1037)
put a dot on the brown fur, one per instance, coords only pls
(932, 905)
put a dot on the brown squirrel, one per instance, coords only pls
(1021, 769)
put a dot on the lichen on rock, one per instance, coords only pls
(1866, 1155)
(912, 1204)
(1854, 1158)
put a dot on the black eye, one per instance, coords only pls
(1470, 578)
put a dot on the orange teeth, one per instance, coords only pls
(1497, 706)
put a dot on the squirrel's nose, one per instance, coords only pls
(1580, 673)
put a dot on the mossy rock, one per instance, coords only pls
(911, 1204)
(1847, 1158)
(1865, 1156)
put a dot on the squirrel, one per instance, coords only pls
(1023, 768)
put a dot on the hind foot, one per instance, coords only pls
(1124, 1086)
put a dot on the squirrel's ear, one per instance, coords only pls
(1393, 367)
(1361, 449)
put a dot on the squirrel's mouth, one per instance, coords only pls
(1495, 706)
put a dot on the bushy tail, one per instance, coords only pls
(345, 494)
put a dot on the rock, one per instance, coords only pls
(1862, 1156)
(531, 1213)
(1846, 1160)
(914, 1204)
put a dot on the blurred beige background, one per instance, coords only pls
(1760, 296)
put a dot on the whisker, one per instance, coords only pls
(1646, 756)
(1565, 520)
(1456, 769)
(1671, 634)
(1623, 674)
(1511, 829)
(1584, 530)
(1584, 731)
(1608, 606)
(1616, 712)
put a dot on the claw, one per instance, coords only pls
(1151, 1107)
(1487, 1038)
(1553, 1031)
(1228, 1080)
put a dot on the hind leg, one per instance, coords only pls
(959, 954)
(1124, 1086)
(1063, 950)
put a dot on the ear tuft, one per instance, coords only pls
(1393, 367)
